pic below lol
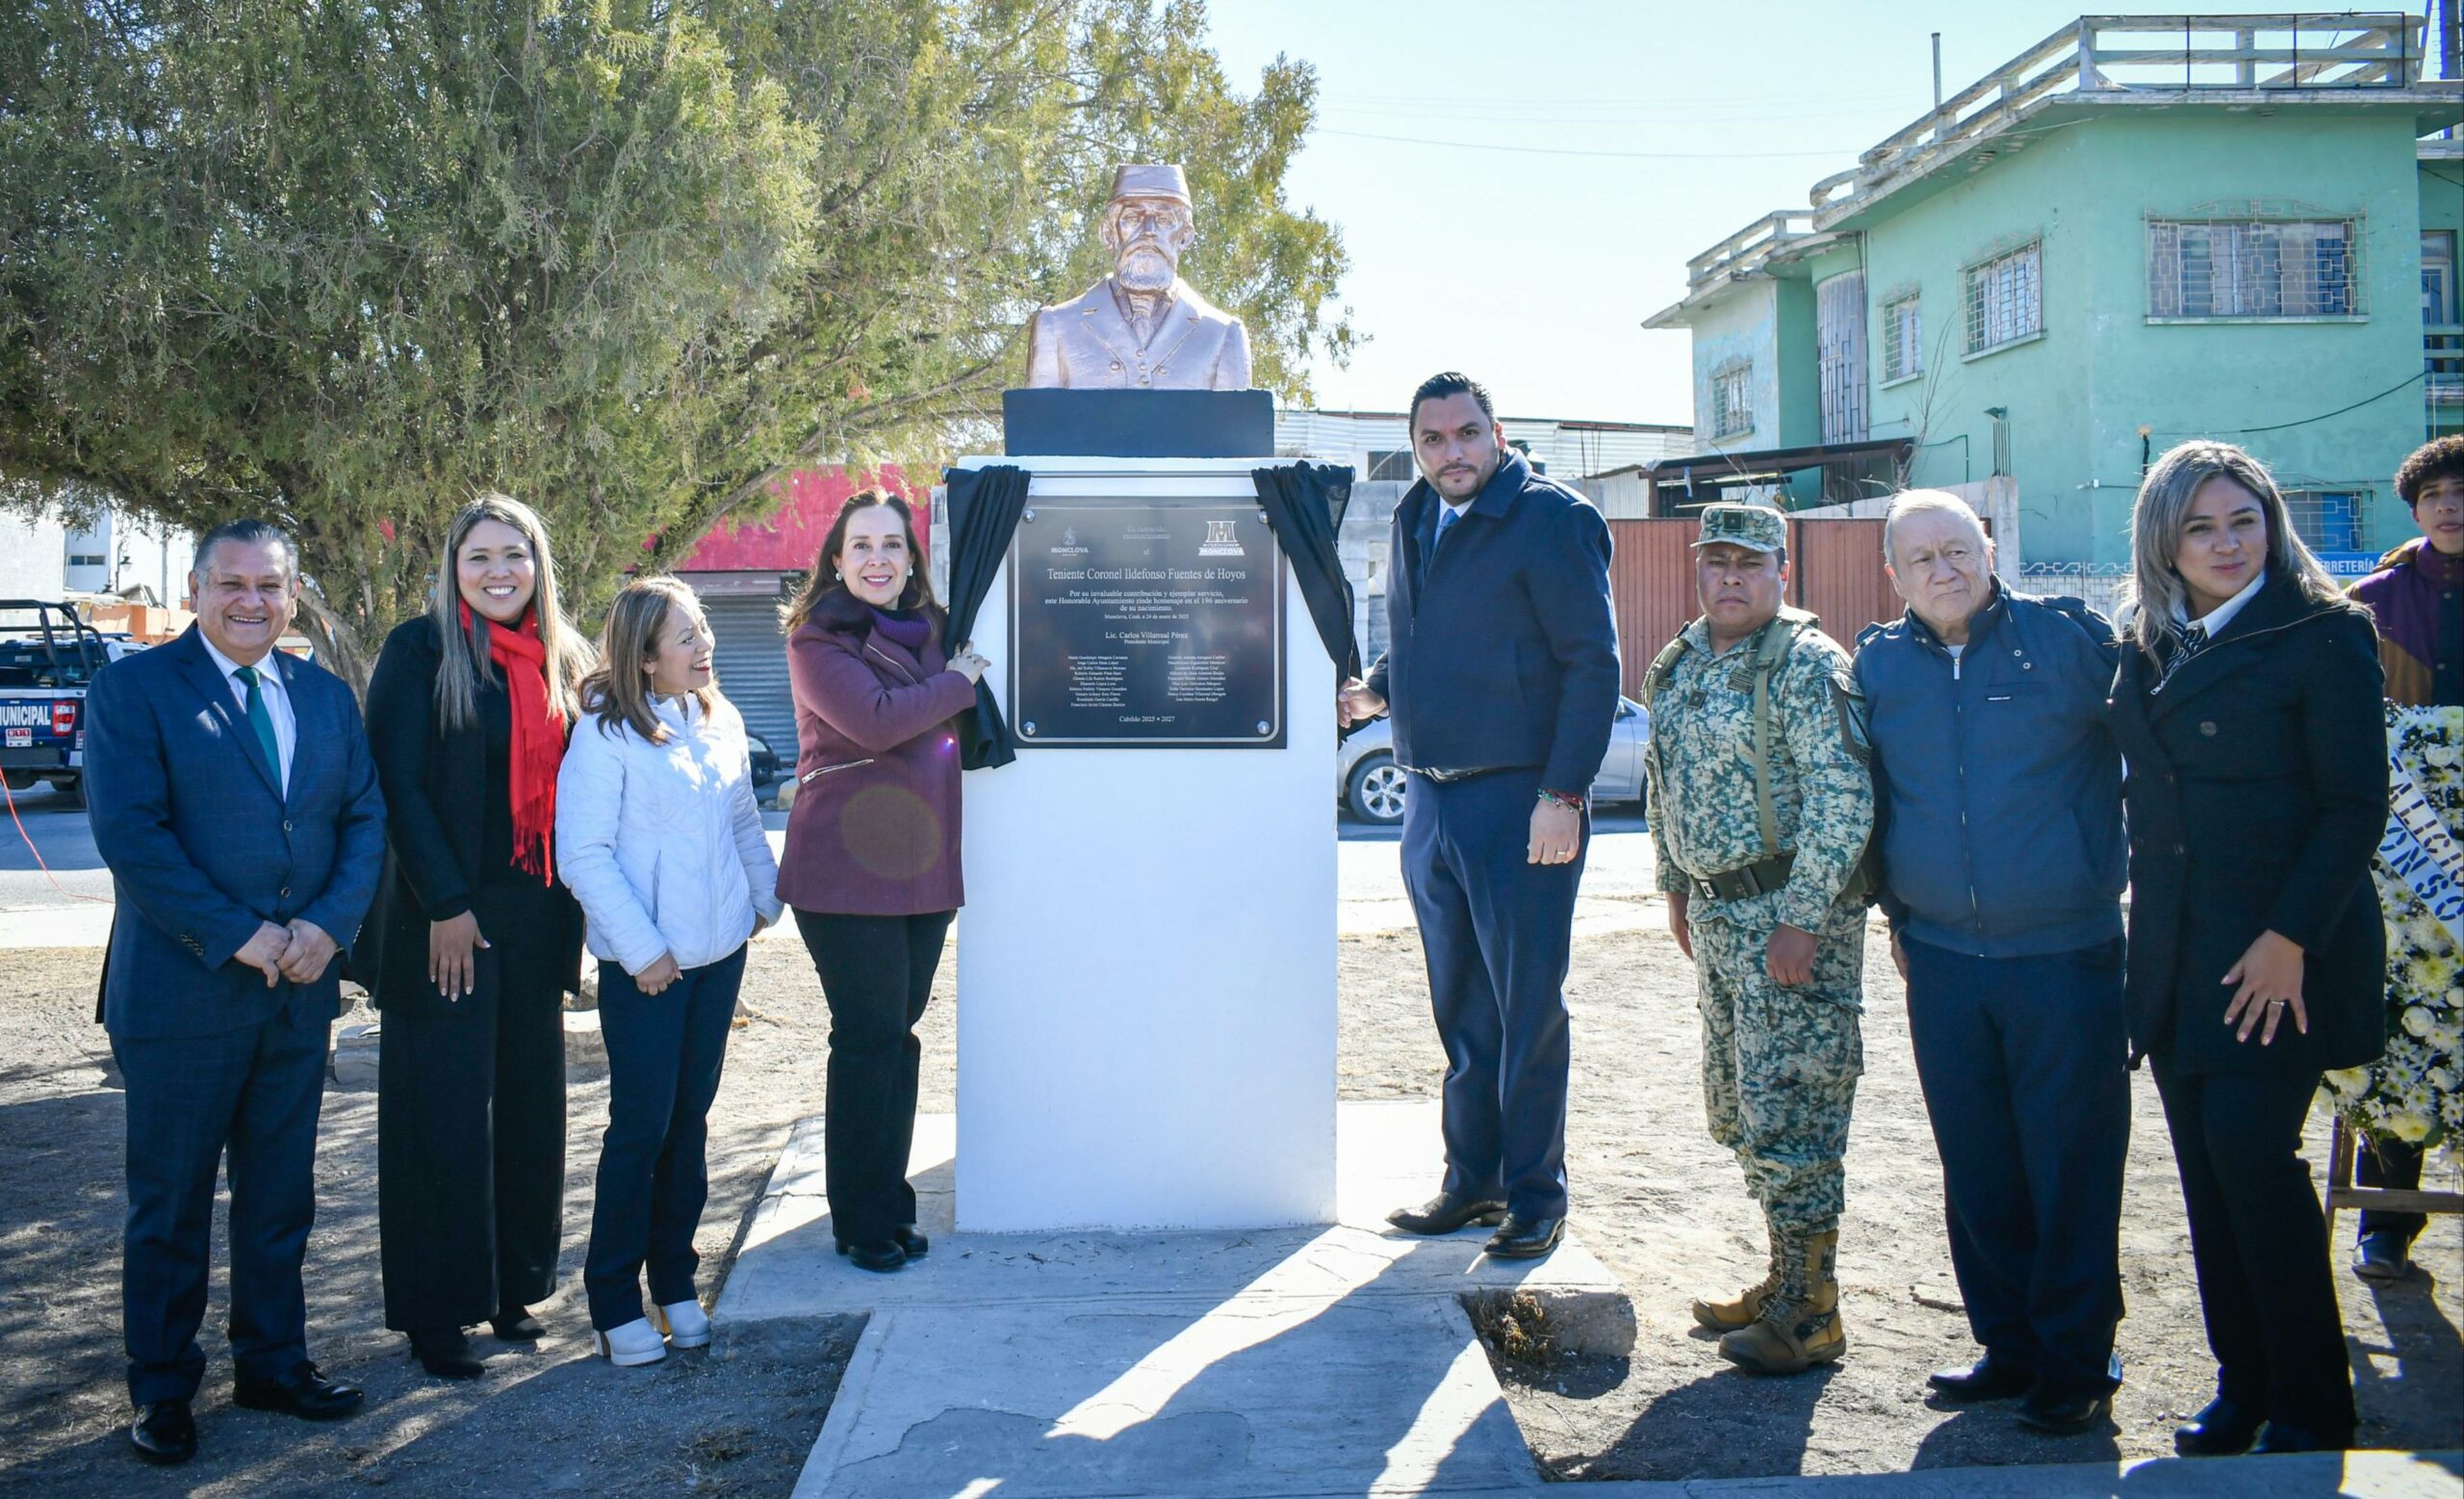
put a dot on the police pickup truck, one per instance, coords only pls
(48, 656)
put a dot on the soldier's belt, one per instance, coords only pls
(1755, 879)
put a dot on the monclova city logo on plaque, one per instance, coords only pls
(1220, 541)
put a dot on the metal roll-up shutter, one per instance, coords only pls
(750, 664)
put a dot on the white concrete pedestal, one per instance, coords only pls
(1146, 974)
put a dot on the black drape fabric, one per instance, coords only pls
(1304, 505)
(984, 504)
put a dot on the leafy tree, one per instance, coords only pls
(628, 260)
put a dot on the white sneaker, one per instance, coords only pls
(632, 1345)
(686, 1324)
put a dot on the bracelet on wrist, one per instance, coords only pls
(1571, 801)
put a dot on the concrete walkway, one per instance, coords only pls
(2361, 1475)
(1271, 1362)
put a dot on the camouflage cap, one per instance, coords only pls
(1756, 526)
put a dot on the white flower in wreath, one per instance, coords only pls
(2409, 1127)
(2418, 1021)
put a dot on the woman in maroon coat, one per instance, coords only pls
(872, 858)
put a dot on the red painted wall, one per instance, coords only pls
(790, 540)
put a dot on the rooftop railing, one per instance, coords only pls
(1749, 246)
(2118, 57)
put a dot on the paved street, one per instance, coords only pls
(35, 913)
(69, 907)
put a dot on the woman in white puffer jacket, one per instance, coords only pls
(659, 837)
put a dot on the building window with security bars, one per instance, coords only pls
(1903, 338)
(2213, 268)
(1731, 404)
(2331, 520)
(2005, 299)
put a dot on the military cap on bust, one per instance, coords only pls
(1147, 181)
(1756, 526)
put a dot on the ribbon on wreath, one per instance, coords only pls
(2419, 850)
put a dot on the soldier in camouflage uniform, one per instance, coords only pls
(1764, 874)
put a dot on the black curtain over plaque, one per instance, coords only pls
(1304, 505)
(984, 504)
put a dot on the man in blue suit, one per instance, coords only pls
(1501, 677)
(237, 807)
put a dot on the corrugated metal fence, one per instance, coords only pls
(1834, 571)
(1650, 581)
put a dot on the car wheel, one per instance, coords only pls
(1375, 792)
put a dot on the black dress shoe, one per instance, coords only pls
(1525, 1238)
(164, 1432)
(1445, 1212)
(300, 1392)
(445, 1353)
(913, 1245)
(879, 1255)
(2283, 1437)
(516, 1325)
(2065, 1412)
(1988, 1379)
(2221, 1428)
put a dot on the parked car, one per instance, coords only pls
(1369, 784)
(765, 762)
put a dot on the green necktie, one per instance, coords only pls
(260, 719)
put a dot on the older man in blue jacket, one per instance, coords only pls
(238, 810)
(1999, 820)
(1501, 677)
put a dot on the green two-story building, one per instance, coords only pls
(2129, 235)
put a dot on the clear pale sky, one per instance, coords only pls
(1533, 271)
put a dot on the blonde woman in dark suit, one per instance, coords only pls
(2247, 708)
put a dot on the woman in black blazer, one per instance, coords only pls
(475, 941)
(2257, 788)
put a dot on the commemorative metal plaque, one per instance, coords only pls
(1146, 624)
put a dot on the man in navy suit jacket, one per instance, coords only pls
(236, 804)
(1502, 678)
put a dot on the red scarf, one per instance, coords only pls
(538, 740)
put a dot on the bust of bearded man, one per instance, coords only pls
(1142, 327)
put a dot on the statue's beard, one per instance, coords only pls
(1146, 267)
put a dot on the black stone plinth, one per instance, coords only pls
(1137, 424)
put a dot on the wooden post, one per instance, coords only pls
(2343, 1149)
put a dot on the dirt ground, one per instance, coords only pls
(1652, 1196)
